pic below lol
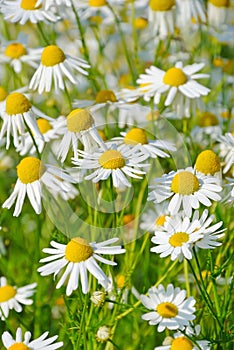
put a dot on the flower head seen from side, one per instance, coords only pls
(79, 256)
(185, 189)
(217, 12)
(171, 308)
(227, 150)
(11, 297)
(32, 174)
(25, 343)
(162, 17)
(54, 66)
(208, 163)
(113, 162)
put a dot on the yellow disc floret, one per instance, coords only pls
(97, 3)
(219, 3)
(140, 23)
(30, 169)
(105, 96)
(161, 5)
(43, 125)
(77, 250)
(79, 120)
(6, 293)
(160, 221)
(181, 343)
(208, 119)
(208, 162)
(178, 238)
(135, 136)
(174, 77)
(18, 346)
(52, 55)
(167, 310)
(17, 103)
(184, 183)
(112, 159)
(3, 94)
(15, 50)
(29, 5)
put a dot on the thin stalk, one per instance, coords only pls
(68, 97)
(42, 33)
(186, 275)
(33, 139)
(216, 298)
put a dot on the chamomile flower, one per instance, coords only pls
(54, 65)
(22, 11)
(179, 81)
(217, 12)
(188, 10)
(32, 174)
(79, 256)
(11, 297)
(171, 308)
(3, 96)
(229, 187)
(155, 219)
(113, 162)
(227, 150)
(103, 334)
(25, 343)
(208, 163)
(162, 17)
(185, 188)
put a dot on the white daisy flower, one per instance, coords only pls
(55, 64)
(162, 17)
(3, 96)
(227, 150)
(154, 219)
(32, 175)
(17, 115)
(217, 12)
(179, 81)
(113, 162)
(103, 334)
(25, 343)
(22, 11)
(170, 307)
(229, 198)
(79, 256)
(188, 10)
(185, 188)
(11, 297)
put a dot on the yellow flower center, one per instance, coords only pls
(29, 5)
(79, 120)
(140, 23)
(6, 293)
(102, 134)
(120, 280)
(15, 50)
(160, 220)
(208, 119)
(17, 103)
(208, 162)
(225, 114)
(135, 136)
(174, 77)
(128, 218)
(181, 343)
(18, 346)
(52, 55)
(30, 169)
(111, 159)
(3, 94)
(184, 183)
(96, 19)
(43, 125)
(178, 239)
(97, 3)
(77, 250)
(105, 96)
(220, 3)
(161, 5)
(167, 310)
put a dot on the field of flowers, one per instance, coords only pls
(116, 174)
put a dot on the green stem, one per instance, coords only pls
(33, 139)
(68, 97)
(39, 26)
(186, 275)
(216, 299)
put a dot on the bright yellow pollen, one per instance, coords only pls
(161, 5)
(17, 103)
(135, 136)
(120, 280)
(29, 5)
(218, 62)
(181, 343)
(167, 310)
(97, 3)
(43, 125)
(79, 120)
(208, 119)
(3, 94)
(77, 250)
(184, 183)
(219, 3)
(30, 169)
(15, 50)
(208, 162)
(105, 96)
(111, 159)
(174, 77)
(6, 293)
(161, 220)
(52, 55)
(178, 239)
(140, 23)
(18, 346)
(128, 218)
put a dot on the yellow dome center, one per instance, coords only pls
(135, 136)
(178, 239)
(167, 310)
(219, 3)
(161, 5)
(43, 125)
(79, 120)
(17, 103)
(18, 346)
(3, 94)
(120, 280)
(29, 5)
(97, 3)
(15, 50)
(181, 343)
(111, 159)
(208, 119)
(105, 96)
(6, 293)
(77, 250)
(52, 55)
(160, 220)
(140, 23)
(30, 169)
(174, 77)
(208, 162)
(184, 183)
